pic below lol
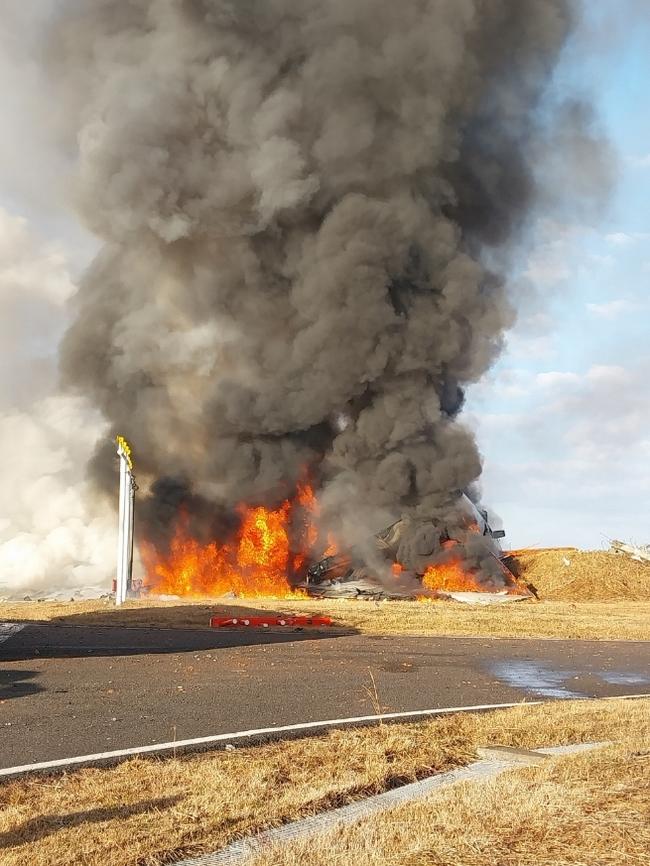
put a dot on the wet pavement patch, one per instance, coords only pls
(618, 678)
(536, 678)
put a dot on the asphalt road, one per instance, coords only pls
(75, 690)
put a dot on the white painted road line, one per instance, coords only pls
(199, 743)
(9, 629)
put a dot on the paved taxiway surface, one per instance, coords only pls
(74, 690)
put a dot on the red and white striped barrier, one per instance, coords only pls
(268, 621)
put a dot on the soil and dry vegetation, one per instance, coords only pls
(587, 809)
(568, 574)
(584, 595)
(150, 812)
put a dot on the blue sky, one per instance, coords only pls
(563, 419)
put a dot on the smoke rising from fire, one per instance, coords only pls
(54, 533)
(297, 202)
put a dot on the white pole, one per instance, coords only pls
(119, 591)
(132, 488)
(124, 571)
(125, 522)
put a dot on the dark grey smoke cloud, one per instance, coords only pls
(296, 199)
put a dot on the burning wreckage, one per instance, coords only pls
(419, 558)
(276, 553)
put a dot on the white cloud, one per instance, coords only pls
(553, 378)
(535, 324)
(619, 238)
(510, 383)
(612, 309)
(577, 453)
(610, 374)
(522, 347)
(598, 416)
(641, 161)
(602, 260)
(625, 238)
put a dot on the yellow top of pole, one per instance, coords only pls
(124, 448)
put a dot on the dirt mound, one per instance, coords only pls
(569, 574)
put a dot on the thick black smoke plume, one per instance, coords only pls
(296, 199)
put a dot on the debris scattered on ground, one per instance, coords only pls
(483, 598)
(640, 553)
(270, 621)
(86, 593)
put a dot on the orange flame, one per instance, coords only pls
(332, 546)
(270, 546)
(450, 576)
(255, 564)
(453, 575)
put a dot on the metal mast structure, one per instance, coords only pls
(125, 524)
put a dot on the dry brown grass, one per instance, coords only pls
(614, 620)
(152, 812)
(588, 809)
(567, 574)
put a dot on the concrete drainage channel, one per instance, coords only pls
(494, 760)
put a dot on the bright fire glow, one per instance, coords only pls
(270, 549)
(255, 564)
(332, 547)
(453, 575)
